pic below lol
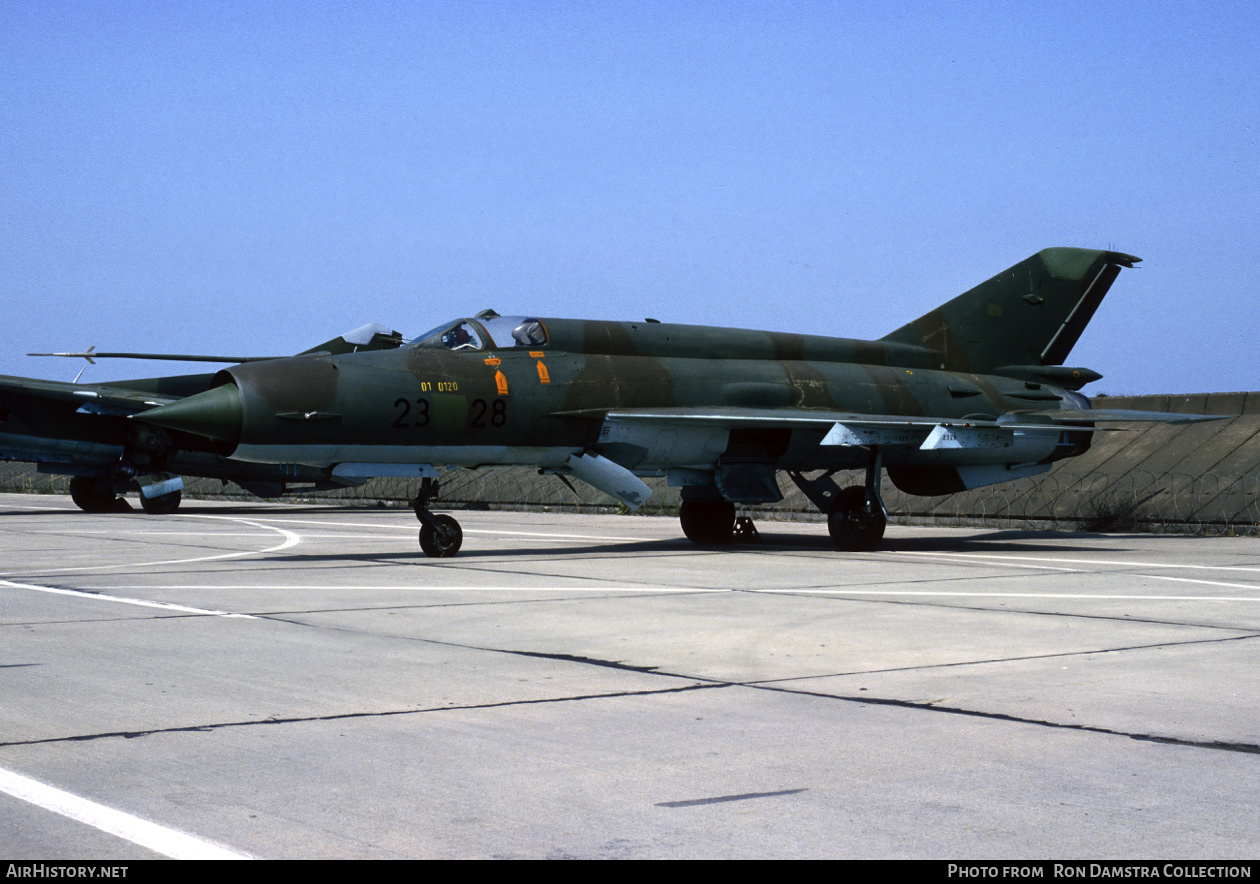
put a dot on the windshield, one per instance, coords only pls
(501, 332)
(462, 335)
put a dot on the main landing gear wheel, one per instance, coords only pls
(708, 522)
(852, 524)
(441, 537)
(94, 495)
(163, 504)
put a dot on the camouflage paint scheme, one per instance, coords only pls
(970, 394)
(84, 431)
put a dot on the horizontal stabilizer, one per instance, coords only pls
(1121, 415)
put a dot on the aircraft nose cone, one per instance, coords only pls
(215, 413)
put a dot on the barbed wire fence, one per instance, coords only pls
(1135, 501)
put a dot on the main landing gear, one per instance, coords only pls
(100, 494)
(713, 523)
(141, 467)
(856, 523)
(95, 494)
(708, 522)
(162, 504)
(856, 517)
(440, 535)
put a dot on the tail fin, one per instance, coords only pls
(1031, 314)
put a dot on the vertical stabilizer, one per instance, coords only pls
(1030, 314)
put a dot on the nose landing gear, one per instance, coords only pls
(440, 535)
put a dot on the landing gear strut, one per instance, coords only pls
(440, 535)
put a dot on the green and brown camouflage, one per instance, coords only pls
(971, 394)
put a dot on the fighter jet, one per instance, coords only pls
(971, 394)
(82, 430)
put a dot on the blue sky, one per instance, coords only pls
(254, 178)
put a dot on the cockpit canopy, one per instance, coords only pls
(488, 330)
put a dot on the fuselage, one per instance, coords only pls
(488, 399)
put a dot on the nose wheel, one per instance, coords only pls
(440, 535)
